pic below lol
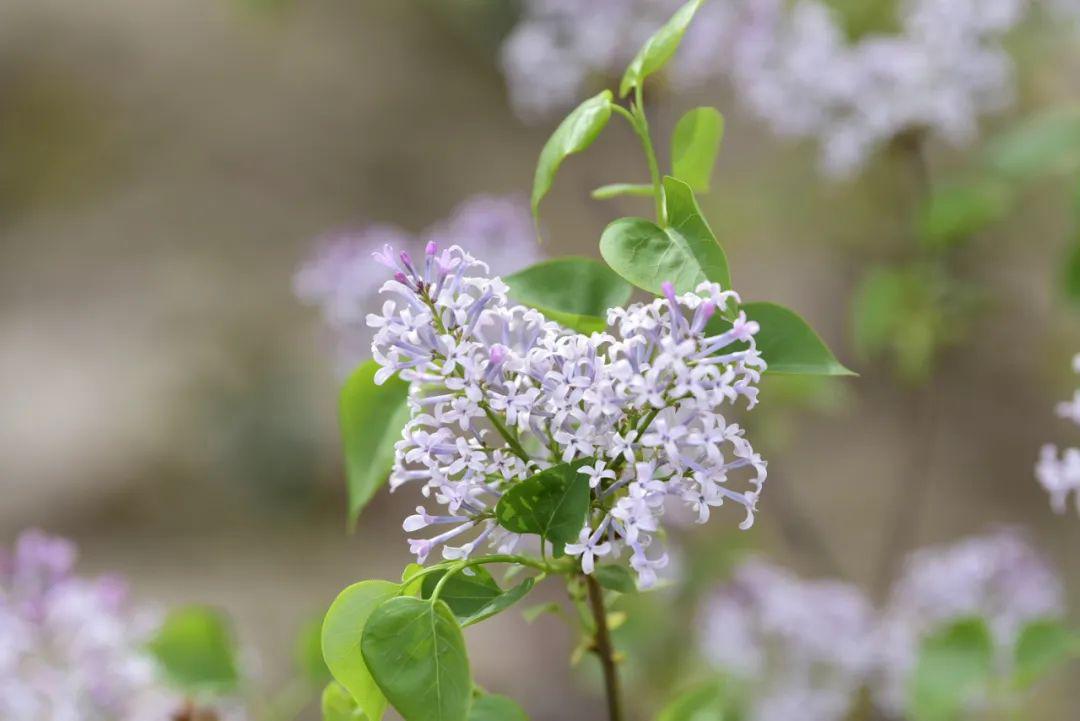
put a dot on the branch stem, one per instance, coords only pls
(636, 117)
(603, 648)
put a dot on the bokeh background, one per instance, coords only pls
(168, 403)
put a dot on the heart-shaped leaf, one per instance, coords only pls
(707, 701)
(695, 144)
(496, 708)
(551, 504)
(575, 133)
(196, 650)
(338, 704)
(501, 602)
(464, 594)
(416, 653)
(957, 211)
(575, 292)
(372, 417)
(953, 665)
(308, 652)
(659, 48)
(1047, 144)
(342, 632)
(788, 343)
(1043, 646)
(685, 253)
(615, 578)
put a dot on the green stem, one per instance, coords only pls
(453, 570)
(640, 124)
(566, 566)
(649, 418)
(510, 438)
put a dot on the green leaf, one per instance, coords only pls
(416, 653)
(410, 587)
(532, 613)
(575, 292)
(788, 343)
(659, 48)
(496, 708)
(308, 653)
(707, 701)
(342, 632)
(339, 705)
(685, 218)
(615, 578)
(614, 190)
(465, 595)
(879, 302)
(694, 146)
(907, 313)
(575, 133)
(1047, 144)
(372, 418)
(551, 504)
(1043, 646)
(685, 253)
(958, 211)
(1071, 274)
(501, 602)
(196, 650)
(954, 664)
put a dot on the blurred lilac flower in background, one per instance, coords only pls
(799, 649)
(343, 281)
(999, 577)
(72, 648)
(560, 45)
(792, 64)
(1060, 475)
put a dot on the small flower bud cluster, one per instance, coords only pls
(341, 280)
(1059, 473)
(500, 393)
(71, 648)
(799, 649)
(999, 577)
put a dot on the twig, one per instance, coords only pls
(604, 649)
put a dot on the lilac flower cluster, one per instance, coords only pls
(793, 64)
(799, 649)
(803, 649)
(499, 393)
(340, 279)
(1060, 474)
(998, 577)
(71, 648)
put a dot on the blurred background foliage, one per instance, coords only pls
(165, 401)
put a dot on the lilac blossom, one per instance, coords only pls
(998, 577)
(72, 648)
(500, 393)
(341, 280)
(797, 648)
(1059, 472)
(792, 64)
